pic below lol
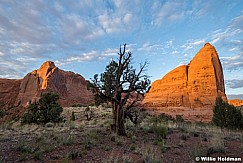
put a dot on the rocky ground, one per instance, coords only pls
(93, 141)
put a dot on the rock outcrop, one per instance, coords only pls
(236, 102)
(9, 90)
(192, 86)
(71, 87)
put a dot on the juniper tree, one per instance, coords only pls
(45, 110)
(226, 115)
(122, 85)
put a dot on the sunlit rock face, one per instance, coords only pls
(236, 102)
(192, 86)
(71, 87)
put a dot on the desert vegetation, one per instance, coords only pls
(159, 138)
(123, 86)
(45, 110)
(117, 128)
(226, 115)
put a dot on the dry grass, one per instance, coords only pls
(90, 141)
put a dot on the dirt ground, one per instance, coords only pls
(93, 141)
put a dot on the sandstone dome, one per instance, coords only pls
(191, 86)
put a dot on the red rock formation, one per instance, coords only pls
(195, 85)
(9, 90)
(71, 87)
(236, 102)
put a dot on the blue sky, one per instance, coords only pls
(83, 36)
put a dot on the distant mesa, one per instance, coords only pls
(189, 90)
(71, 87)
(236, 102)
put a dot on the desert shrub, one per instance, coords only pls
(73, 154)
(160, 131)
(72, 117)
(164, 117)
(179, 118)
(226, 115)
(133, 147)
(134, 114)
(2, 113)
(38, 154)
(88, 113)
(44, 111)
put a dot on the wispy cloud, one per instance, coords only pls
(235, 96)
(236, 83)
(88, 57)
(190, 44)
(233, 63)
(170, 11)
(230, 38)
(156, 47)
(221, 36)
(35, 30)
(234, 28)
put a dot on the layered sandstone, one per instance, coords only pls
(192, 86)
(71, 87)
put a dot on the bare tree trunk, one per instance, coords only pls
(118, 121)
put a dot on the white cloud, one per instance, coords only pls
(234, 83)
(117, 22)
(220, 36)
(75, 29)
(170, 11)
(160, 47)
(1, 54)
(233, 62)
(127, 18)
(226, 36)
(190, 44)
(88, 56)
(148, 47)
(237, 22)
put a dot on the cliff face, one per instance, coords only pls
(171, 90)
(9, 90)
(195, 85)
(205, 78)
(71, 87)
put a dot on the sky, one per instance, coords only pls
(83, 36)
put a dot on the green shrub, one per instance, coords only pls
(179, 118)
(226, 115)
(2, 113)
(38, 154)
(73, 154)
(72, 117)
(88, 113)
(44, 111)
(160, 131)
(133, 147)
